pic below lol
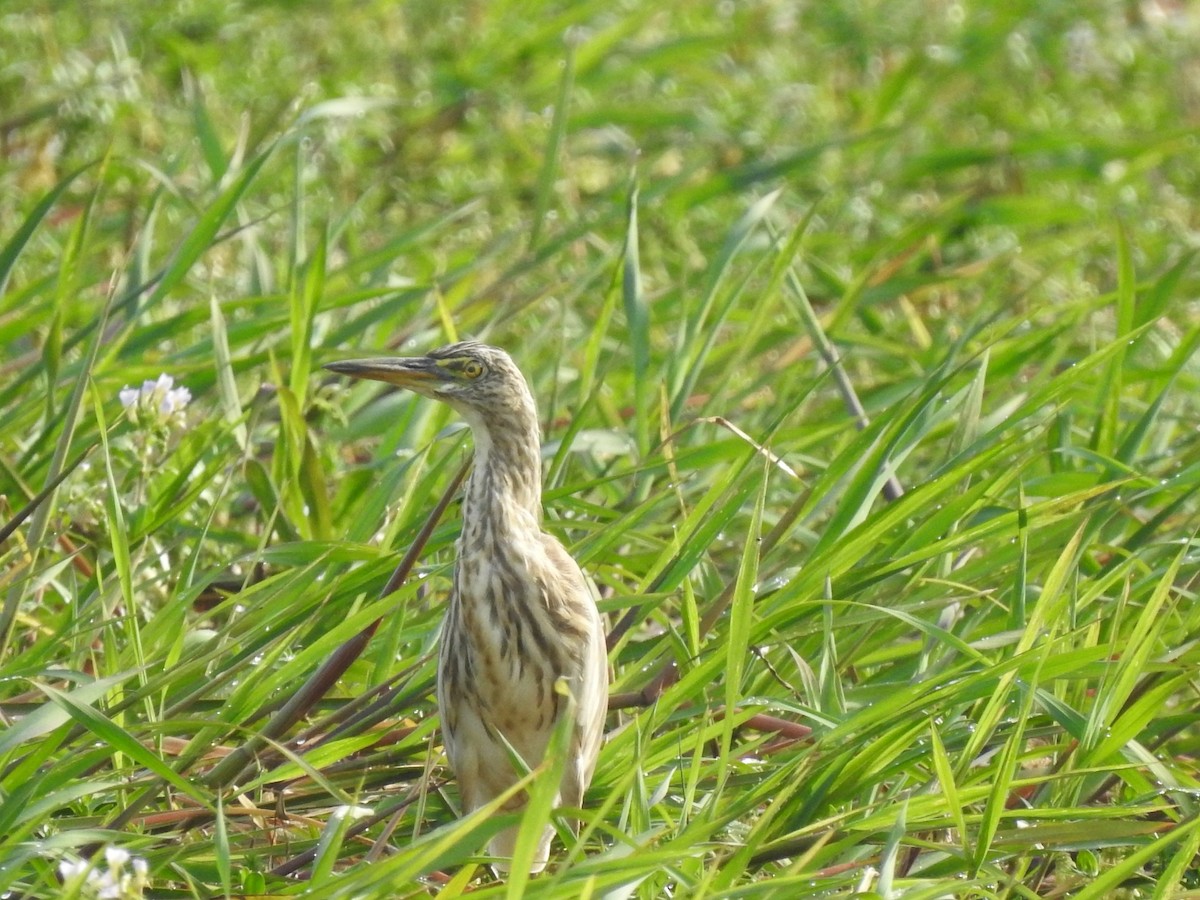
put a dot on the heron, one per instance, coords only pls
(521, 613)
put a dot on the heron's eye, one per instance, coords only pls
(472, 369)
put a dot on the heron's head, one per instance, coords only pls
(479, 381)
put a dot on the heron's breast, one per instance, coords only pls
(515, 653)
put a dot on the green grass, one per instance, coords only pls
(863, 336)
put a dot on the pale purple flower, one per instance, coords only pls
(159, 402)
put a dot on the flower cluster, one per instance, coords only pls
(95, 91)
(123, 878)
(158, 412)
(156, 402)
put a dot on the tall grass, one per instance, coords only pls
(864, 340)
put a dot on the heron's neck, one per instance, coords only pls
(505, 487)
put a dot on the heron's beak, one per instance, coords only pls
(406, 372)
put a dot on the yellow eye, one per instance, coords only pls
(472, 369)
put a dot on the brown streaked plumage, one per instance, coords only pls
(521, 612)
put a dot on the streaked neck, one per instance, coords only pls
(505, 487)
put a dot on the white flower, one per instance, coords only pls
(159, 401)
(69, 869)
(108, 883)
(174, 400)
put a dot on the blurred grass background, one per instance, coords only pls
(977, 590)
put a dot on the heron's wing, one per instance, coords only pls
(576, 597)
